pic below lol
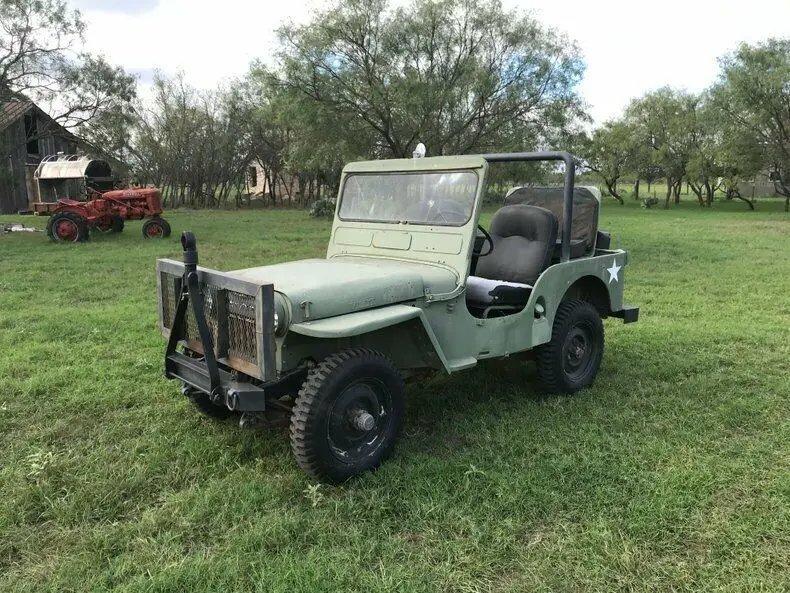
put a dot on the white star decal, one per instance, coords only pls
(613, 271)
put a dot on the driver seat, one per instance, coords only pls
(523, 241)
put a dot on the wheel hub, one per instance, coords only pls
(364, 421)
(154, 230)
(67, 230)
(577, 351)
(358, 420)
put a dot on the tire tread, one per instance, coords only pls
(548, 356)
(306, 407)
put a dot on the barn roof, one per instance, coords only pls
(19, 105)
(12, 110)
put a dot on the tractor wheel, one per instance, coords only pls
(67, 227)
(570, 361)
(116, 223)
(348, 415)
(166, 224)
(156, 228)
(204, 405)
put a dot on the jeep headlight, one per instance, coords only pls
(282, 318)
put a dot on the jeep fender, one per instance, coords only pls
(373, 327)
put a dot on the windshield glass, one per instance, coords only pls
(443, 198)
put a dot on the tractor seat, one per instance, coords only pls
(524, 238)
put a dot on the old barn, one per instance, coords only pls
(27, 135)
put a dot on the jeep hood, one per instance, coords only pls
(347, 284)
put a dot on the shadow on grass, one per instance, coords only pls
(440, 410)
(445, 413)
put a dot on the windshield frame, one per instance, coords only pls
(472, 210)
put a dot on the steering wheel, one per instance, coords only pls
(441, 211)
(453, 214)
(487, 238)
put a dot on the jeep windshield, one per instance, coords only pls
(442, 198)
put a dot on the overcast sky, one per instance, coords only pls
(628, 48)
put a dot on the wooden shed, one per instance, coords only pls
(27, 136)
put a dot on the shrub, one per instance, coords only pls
(325, 207)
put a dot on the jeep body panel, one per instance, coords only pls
(460, 339)
(322, 288)
(465, 339)
(354, 324)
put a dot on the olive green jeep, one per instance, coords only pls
(411, 281)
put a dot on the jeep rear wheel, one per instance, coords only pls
(570, 361)
(348, 415)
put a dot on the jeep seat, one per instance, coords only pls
(584, 225)
(523, 237)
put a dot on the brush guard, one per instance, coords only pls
(213, 369)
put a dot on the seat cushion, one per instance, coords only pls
(524, 238)
(485, 292)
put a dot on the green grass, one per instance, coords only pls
(672, 473)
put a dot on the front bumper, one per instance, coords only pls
(240, 396)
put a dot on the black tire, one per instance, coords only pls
(348, 415)
(203, 404)
(116, 223)
(165, 224)
(67, 227)
(156, 228)
(570, 361)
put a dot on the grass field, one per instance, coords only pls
(671, 474)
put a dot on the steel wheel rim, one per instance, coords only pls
(67, 230)
(154, 230)
(348, 442)
(578, 351)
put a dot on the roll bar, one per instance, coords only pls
(570, 174)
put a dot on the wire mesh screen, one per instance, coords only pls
(241, 326)
(240, 317)
(169, 298)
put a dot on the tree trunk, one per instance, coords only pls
(697, 189)
(710, 189)
(676, 189)
(670, 186)
(749, 202)
(611, 185)
(636, 190)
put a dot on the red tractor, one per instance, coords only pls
(71, 220)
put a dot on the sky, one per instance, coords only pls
(629, 46)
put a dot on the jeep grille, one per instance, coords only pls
(240, 313)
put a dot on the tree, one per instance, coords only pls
(666, 120)
(458, 76)
(705, 169)
(194, 145)
(611, 152)
(40, 58)
(300, 141)
(753, 96)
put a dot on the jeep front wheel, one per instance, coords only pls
(570, 361)
(347, 416)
